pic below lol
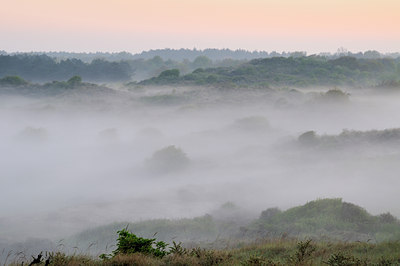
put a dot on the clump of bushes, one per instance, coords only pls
(308, 138)
(351, 138)
(334, 96)
(391, 83)
(340, 259)
(332, 218)
(166, 77)
(268, 214)
(13, 81)
(129, 243)
(167, 160)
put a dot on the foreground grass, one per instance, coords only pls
(267, 252)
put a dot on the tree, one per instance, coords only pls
(74, 81)
(169, 74)
(202, 62)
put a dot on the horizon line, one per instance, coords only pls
(344, 50)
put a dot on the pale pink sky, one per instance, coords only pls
(281, 25)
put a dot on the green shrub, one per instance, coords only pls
(13, 81)
(304, 252)
(129, 243)
(74, 81)
(341, 259)
(335, 96)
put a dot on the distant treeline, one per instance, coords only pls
(166, 54)
(213, 54)
(292, 71)
(296, 70)
(44, 68)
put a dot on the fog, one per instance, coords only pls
(81, 159)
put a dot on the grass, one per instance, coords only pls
(266, 252)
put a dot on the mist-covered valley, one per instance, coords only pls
(93, 155)
(199, 133)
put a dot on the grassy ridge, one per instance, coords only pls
(328, 219)
(323, 219)
(342, 234)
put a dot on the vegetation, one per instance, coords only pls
(18, 86)
(327, 219)
(296, 242)
(213, 54)
(265, 252)
(390, 84)
(292, 71)
(334, 96)
(321, 220)
(129, 243)
(98, 68)
(13, 81)
(44, 68)
(350, 138)
(168, 159)
(208, 68)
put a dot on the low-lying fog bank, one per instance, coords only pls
(84, 158)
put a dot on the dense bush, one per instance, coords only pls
(168, 159)
(129, 243)
(335, 96)
(13, 81)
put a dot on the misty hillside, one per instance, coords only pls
(200, 133)
(324, 219)
(321, 220)
(327, 219)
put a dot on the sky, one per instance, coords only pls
(134, 26)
